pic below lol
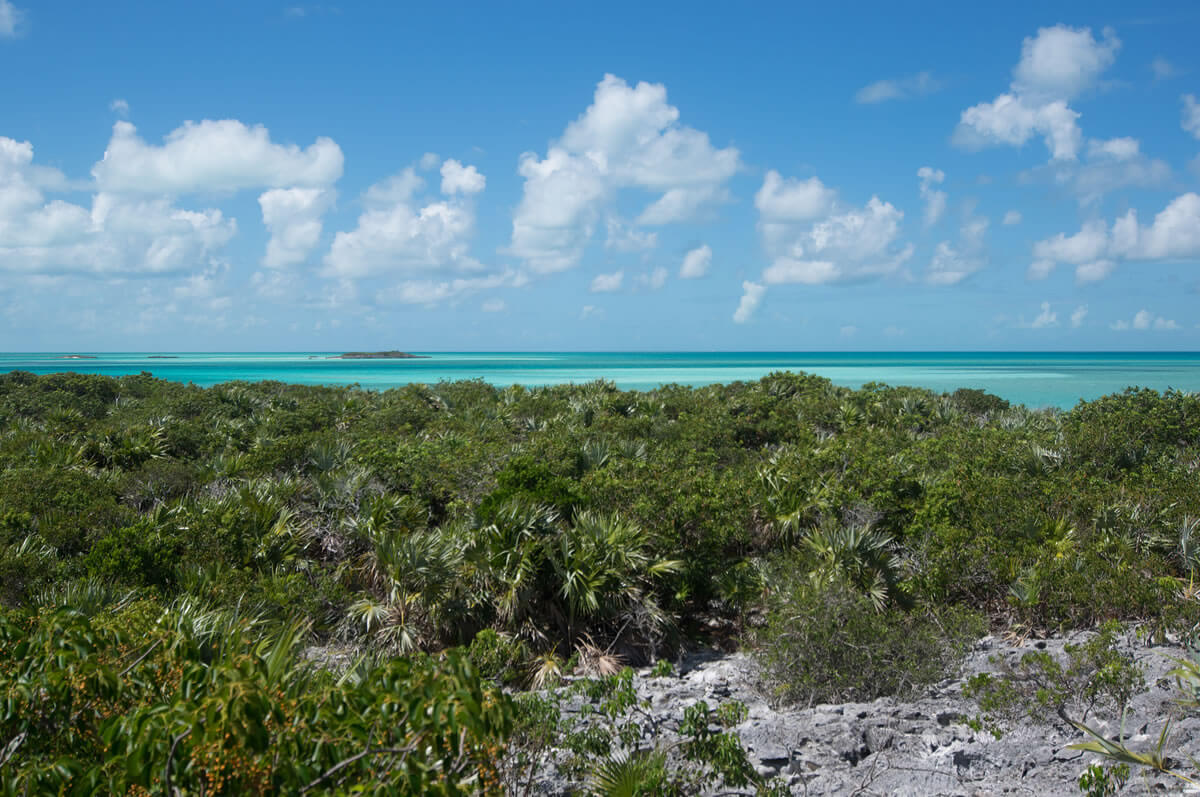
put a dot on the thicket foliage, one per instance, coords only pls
(582, 520)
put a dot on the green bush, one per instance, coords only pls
(498, 658)
(825, 642)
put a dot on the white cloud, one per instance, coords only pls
(624, 238)
(1063, 62)
(1094, 271)
(696, 263)
(1121, 149)
(432, 292)
(653, 280)
(493, 306)
(1191, 115)
(1056, 65)
(893, 332)
(903, 88)
(293, 217)
(1078, 315)
(1088, 244)
(397, 235)
(115, 235)
(780, 200)
(1012, 120)
(752, 296)
(845, 244)
(607, 283)
(951, 265)
(1011, 217)
(628, 138)
(935, 200)
(1143, 320)
(428, 162)
(1097, 247)
(119, 106)
(1046, 318)
(591, 311)
(213, 156)
(1163, 69)
(682, 204)
(10, 19)
(848, 331)
(1110, 165)
(459, 179)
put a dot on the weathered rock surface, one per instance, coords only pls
(917, 747)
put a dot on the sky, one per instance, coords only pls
(261, 176)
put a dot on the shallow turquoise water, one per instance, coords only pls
(1033, 379)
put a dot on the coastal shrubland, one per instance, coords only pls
(165, 547)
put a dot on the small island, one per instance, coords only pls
(378, 355)
(78, 357)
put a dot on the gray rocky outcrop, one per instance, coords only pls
(921, 746)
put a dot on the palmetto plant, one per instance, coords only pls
(793, 505)
(410, 575)
(512, 554)
(604, 569)
(859, 555)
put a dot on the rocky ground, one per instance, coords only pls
(917, 747)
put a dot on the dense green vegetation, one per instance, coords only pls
(164, 548)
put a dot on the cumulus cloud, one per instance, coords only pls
(115, 235)
(1191, 115)
(1056, 65)
(459, 179)
(1097, 248)
(213, 156)
(696, 263)
(811, 238)
(1078, 315)
(1163, 69)
(628, 138)
(10, 19)
(752, 296)
(293, 217)
(652, 280)
(780, 200)
(1063, 62)
(903, 88)
(1121, 149)
(1011, 120)
(950, 264)
(935, 200)
(1109, 165)
(400, 235)
(1011, 217)
(624, 238)
(119, 106)
(434, 291)
(1143, 320)
(1046, 318)
(607, 283)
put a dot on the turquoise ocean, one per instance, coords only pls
(1034, 379)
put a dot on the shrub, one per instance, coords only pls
(498, 658)
(824, 642)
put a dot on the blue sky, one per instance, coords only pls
(532, 176)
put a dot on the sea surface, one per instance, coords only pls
(1034, 379)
